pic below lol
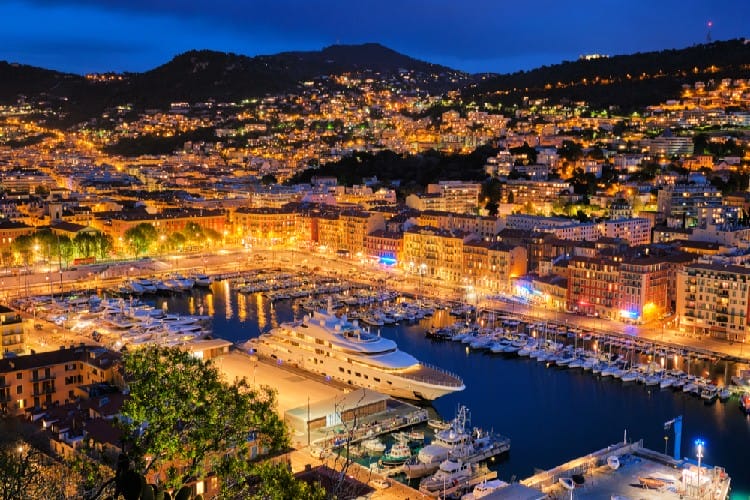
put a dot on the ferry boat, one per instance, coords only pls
(334, 347)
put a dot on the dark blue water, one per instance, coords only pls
(551, 415)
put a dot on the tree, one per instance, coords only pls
(85, 244)
(527, 150)
(274, 481)
(268, 179)
(23, 246)
(570, 151)
(65, 250)
(140, 238)
(492, 190)
(180, 413)
(24, 472)
(104, 246)
(492, 208)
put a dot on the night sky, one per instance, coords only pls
(83, 36)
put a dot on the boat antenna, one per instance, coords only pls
(625, 437)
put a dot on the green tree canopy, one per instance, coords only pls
(181, 412)
(268, 179)
(140, 238)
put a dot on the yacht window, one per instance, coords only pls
(341, 369)
(376, 379)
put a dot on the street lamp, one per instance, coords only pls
(422, 272)
(699, 444)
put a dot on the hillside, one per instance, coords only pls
(200, 75)
(628, 81)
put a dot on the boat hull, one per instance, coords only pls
(386, 383)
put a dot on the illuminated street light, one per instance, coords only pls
(699, 444)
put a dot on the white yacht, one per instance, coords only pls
(334, 347)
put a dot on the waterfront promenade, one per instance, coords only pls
(101, 276)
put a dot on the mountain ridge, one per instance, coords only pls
(200, 75)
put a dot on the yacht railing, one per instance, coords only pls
(450, 379)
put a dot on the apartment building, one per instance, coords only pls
(386, 246)
(485, 227)
(440, 251)
(11, 332)
(263, 224)
(682, 203)
(541, 195)
(636, 231)
(713, 299)
(56, 377)
(10, 230)
(166, 222)
(593, 286)
(346, 230)
(493, 265)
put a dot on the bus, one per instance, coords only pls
(83, 261)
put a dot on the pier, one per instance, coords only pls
(628, 470)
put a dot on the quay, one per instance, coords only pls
(628, 470)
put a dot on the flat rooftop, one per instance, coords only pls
(293, 389)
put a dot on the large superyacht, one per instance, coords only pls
(335, 347)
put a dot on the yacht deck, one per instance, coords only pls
(433, 375)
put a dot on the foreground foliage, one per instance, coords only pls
(183, 422)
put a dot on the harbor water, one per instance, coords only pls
(551, 414)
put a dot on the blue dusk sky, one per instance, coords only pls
(81, 36)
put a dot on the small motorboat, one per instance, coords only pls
(745, 402)
(374, 445)
(437, 424)
(653, 483)
(397, 455)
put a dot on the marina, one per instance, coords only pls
(526, 390)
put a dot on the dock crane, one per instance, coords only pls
(676, 425)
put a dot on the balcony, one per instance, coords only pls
(50, 389)
(41, 378)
